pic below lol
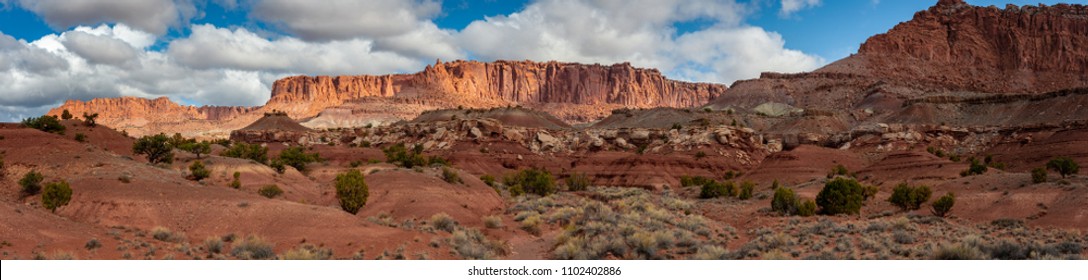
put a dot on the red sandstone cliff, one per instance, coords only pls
(479, 84)
(1016, 49)
(137, 112)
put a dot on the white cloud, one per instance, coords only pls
(99, 49)
(791, 6)
(154, 16)
(347, 19)
(643, 33)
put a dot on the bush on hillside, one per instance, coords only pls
(252, 152)
(943, 205)
(156, 147)
(534, 181)
(298, 158)
(48, 124)
(1064, 166)
(909, 198)
(56, 194)
(840, 196)
(31, 183)
(351, 190)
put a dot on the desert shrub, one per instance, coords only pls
(1038, 175)
(474, 245)
(80, 137)
(213, 245)
(351, 190)
(56, 194)
(156, 147)
(958, 252)
(534, 181)
(729, 175)
(784, 201)
(715, 189)
(976, 168)
(806, 207)
(693, 181)
(677, 126)
(252, 152)
(532, 224)
(197, 148)
(297, 158)
(400, 155)
(270, 191)
(253, 248)
(578, 182)
(237, 182)
(66, 115)
(90, 119)
(488, 179)
(45, 123)
(493, 222)
(700, 155)
(869, 191)
(278, 166)
(1064, 166)
(197, 171)
(31, 183)
(746, 189)
(307, 252)
(444, 222)
(944, 204)
(840, 196)
(838, 170)
(909, 198)
(450, 176)
(92, 244)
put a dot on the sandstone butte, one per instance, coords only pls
(443, 85)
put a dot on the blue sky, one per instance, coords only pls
(228, 52)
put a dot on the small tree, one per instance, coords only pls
(297, 158)
(90, 120)
(534, 181)
(352, 191)
(56, 194)
(977, 168)
(31, 183)
(45, 123)
(66, 115)
(1064, 166)
(806, 207)
(237, 182)
(1038, 175)
(247, 151)
(909, 198)
(156, 147)
(713, 189)
(943, 205)
(746, 189)
(838, 170)
(784, 201)
(197, 148)
(840, 196)
(270, 191)
(197, 171)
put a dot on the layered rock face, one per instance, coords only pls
(479, 84)
(142, 110)
(1029, 49)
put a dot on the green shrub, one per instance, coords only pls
(977, 168)
(252, 152)
(197, 148)
(1038, 175)
(80, 137)
(943, 205)
(56, 194)
(66, 115)
(806, 207)
(715, 189)
(253, 248)
(838, 170)
(156, 147)
(693, 181)
(958, 252)
(197, 171)
(784, 201)
(237, 182)
(700, 155)
(278, 166)
(578, 182)
(31, 183)
(450, 176)
(909, 198)
(48, 124)
(297, 158)
(270, 191)
(1064, 166)
(746, 189)
(534, 181)
(840, 196)
(869, 191)
(351, 190)
(488, 179)
(400, 155)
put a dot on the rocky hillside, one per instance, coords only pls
(1012, 50)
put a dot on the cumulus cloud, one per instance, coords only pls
(347, 19)
(99, 49)
(791, 6)
(154, 16)
(640, 32)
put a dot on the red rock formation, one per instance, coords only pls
(135, 109)
(1016, 49)
(479, 84)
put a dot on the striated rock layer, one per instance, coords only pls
(480, 84)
